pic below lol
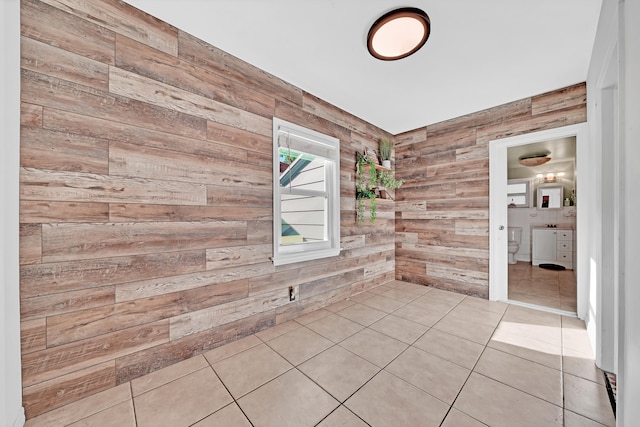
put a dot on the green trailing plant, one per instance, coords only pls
(367, 181)
(389, 181)
(384, 148)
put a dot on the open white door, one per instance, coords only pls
(498, 237)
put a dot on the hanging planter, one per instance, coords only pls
(366, 186)
(372, 182)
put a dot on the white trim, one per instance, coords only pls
(308, 251)
(11, 410)
(498, 286)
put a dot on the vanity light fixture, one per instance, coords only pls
(399, 33)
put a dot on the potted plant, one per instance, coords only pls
(384, 149)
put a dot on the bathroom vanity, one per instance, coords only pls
(552, 246)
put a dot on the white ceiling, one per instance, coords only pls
(562, 152)
(481, 53)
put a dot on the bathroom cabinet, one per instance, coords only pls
(552, 246)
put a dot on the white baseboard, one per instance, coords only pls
(20, 419)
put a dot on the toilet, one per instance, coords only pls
(515, 234)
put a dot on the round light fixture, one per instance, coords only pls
(534, 160)
(398, 34)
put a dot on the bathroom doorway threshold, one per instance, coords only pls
(542, 308)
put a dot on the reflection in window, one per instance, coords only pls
(306, 194)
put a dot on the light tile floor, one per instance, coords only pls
(548, 288)
(397, 355)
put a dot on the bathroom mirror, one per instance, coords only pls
(550, 197)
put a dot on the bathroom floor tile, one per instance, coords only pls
(588, 399)
(456, 418)
(422, 314)
(436, 376)
(299, 345)
(373, 346)
(230, 415)
(274, 405)
(334, 327)
(399, 328)
(228, 350)
(533, 378)
(342, 417)
(537, 343)
(465, 328)
(571, 419)
(496, 404)
(450, 347)
(250, 369)
(483, 304)
(339, 371)
(486, 318)
(362, 314)
(387, 400)
(382, 303)
(200, 394)
(404, 296)
(121, 415)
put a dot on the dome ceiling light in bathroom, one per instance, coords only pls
(398, 34)
(534, 160)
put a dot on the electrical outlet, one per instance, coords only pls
(293, 293)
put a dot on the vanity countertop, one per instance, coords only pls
(555, 226)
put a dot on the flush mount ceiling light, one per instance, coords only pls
(398, 34)
(534, 160)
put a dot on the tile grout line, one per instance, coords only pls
(472, 370)
(233, 398)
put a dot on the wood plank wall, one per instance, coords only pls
(146, 202)
(442, 211)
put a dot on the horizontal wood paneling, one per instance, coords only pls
(442, 229)
(43, 58)
(45, 149)
(70, 32)
(34, 211)
(162, 67)
(63, 242)
(51, 394)
(49, 278)
(56, 361)
(140, 363)
(146, 200)
(125, 19)
(46, 185)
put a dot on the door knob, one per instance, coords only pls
(501, 227)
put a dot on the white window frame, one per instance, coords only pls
(287, 254)
(528, 194)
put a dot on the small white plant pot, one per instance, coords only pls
(386, 164)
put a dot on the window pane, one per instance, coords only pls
(304, 219)
(301, 171)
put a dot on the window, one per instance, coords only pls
(519, 193)
(306, 194)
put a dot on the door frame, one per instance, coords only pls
(498, 238)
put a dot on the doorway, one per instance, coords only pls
(541, 223)
(523, 276)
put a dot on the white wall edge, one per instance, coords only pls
(11, 410)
